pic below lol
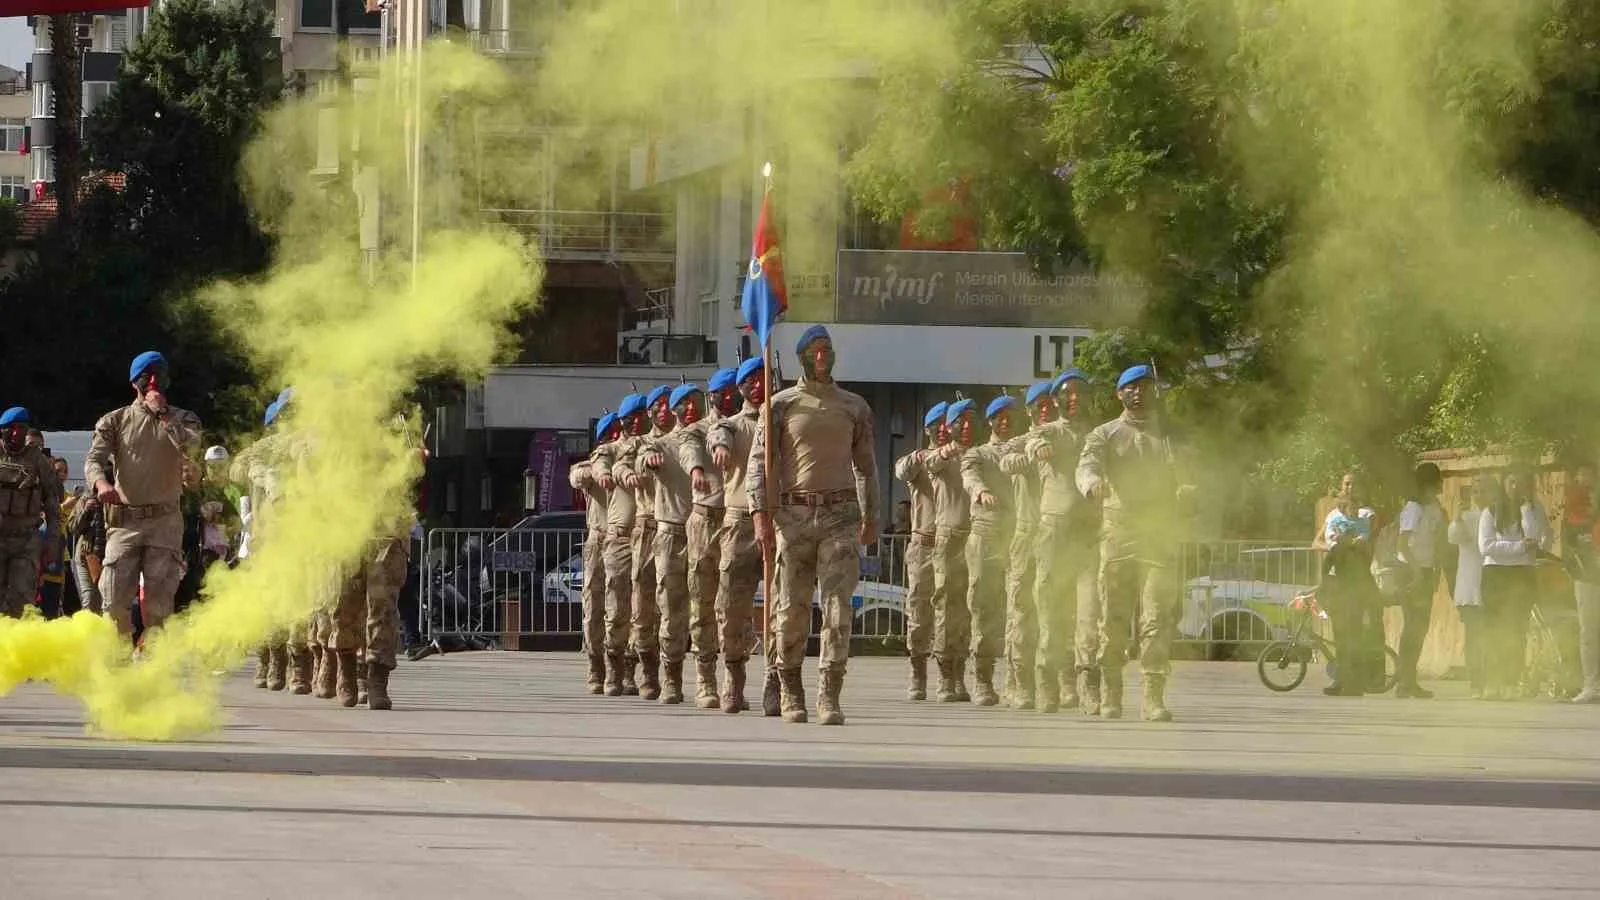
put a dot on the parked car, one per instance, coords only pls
(1244, 601)
(477, 577)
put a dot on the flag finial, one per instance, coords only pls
(766, 170)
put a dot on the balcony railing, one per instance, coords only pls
(571, 235)
(509, 41)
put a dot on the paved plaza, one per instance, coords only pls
(498, 776)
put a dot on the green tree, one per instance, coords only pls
(116, 280)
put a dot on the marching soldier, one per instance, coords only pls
(1065, 581)
(255, 467)
(676, 468)
(28, 487)
(825, 487)
(913, 470)
(1022, 613)
(952, 623)
(705, 520)
(136, 466)
(596, 640)
(987, 473)
(621, 518)
(1129, 467)
(637, 479)
(738, 555)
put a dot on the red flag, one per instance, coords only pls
(766, 299)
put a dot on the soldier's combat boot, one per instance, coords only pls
(650, 668)
(361, 680)
(794, 695)
(1049, 689)
(947, 682)
(918, 690)
(1155, 699)
(830, 683)
(733, 694)
(630, 663)
(300, 672)
(705, 683)
(1111, 693)
(378, 687)
(959, 672)
(772, 694)
(983, 684)
(1008, 678)
(613, 684)
(263, 664)
(1090, 691)
(1069, 688)
(597, 674)
(318, 655)
(348, 677)
(1022, 694)
(672, 691)
(277, 669)
(325, 682)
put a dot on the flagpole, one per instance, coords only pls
(769, 457)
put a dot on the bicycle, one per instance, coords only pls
(1288, 660)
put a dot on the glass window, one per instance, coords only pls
(316, 13)
(13, 134)
(14, 187)
(42, 165)
(94, 92)
(355, 12)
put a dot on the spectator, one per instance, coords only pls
(1579, 539)
(1349, 593)
(1467, 592)
(1511, 533)
(1421, 532)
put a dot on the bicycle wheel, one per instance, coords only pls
(1282, 666)
(1391, 669)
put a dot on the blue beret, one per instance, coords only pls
(954, 411)
(144, 362)
(1070, 374)
(810, 334)
(273, 409)
(629, 406)
(605, 424)
(681, 393)
(655, 396)
(1137, 373)
(999, 404)
(935, 414)
(16, 415)
(750, 366)
(721, 380)
(1037, 391)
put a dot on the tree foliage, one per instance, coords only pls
(117, 279)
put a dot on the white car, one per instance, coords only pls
(1247, 598)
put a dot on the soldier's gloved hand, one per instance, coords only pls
(652, 460)
(104, 492)
(722, 458)
(764, 533)
(985, 499)
(699, 481)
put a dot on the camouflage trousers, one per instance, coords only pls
(738, 574)
(919, 594)
(646, 616)
(594, 592)
(705, 551)
(952, 624)
(988, 552)
(368, 613)
(672, 588)
(1131, 586)
(819, 548)
(316, 630)
(148, 547)
(1022, 614)
(19, 571)
(1066, 632)
(617, 559)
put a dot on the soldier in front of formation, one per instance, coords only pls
(815, 515)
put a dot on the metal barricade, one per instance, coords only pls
(1235, 596)
(501, 584)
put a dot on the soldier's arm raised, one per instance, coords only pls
(907, 468)
(720, 441)
(580, 474)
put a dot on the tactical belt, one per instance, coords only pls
(816, 498)
(921, 539)
(676, 528)
(644, 523)
(737, 512)
(120, 513)
(619, 530)
(710, 512)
